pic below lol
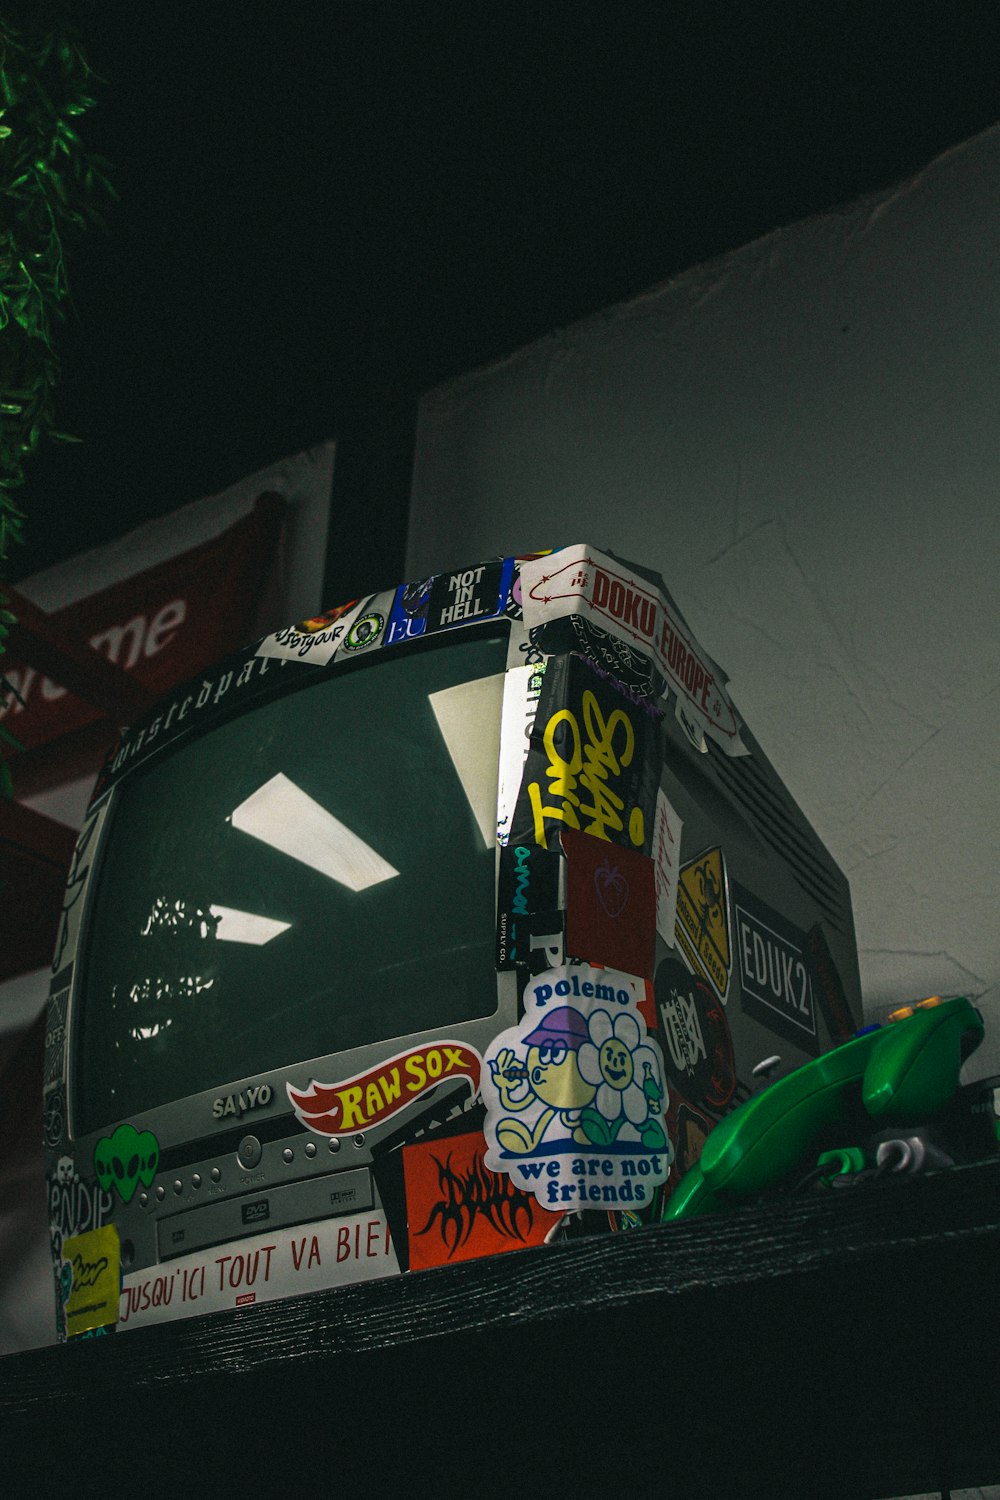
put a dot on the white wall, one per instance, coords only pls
(803, 438)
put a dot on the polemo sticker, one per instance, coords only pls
(575, 1094)
(581, 580)
(264, 1268)
(367, 1099)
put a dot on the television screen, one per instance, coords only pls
(298, 883)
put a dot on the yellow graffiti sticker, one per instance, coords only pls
(91, 1277)
(702, 927)
(596, 764)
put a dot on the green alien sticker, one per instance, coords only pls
(126, 1158)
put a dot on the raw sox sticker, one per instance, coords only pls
(367, 1099)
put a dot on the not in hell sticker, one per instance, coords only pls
(575, 1094)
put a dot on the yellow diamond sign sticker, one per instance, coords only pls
(702, 926)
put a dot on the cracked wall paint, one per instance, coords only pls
(801, 437)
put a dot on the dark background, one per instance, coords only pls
(327, 208)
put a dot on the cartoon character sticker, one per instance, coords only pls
(575, 1094)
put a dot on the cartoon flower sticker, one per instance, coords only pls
(574, 1095)
(624, 1070)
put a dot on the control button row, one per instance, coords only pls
(178, 1186)
(250, 1151)
(309, 1150)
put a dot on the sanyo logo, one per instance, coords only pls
(238, 1104)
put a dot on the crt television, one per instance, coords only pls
(446, 923)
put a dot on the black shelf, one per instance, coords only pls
(832, 1347)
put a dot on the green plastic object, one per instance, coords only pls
(844, 1161)
(909, 1069)
(692, 1196)
(914, 1072)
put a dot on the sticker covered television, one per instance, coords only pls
(445, 924)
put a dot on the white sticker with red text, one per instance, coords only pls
(581, 580)
(666, 865)
(264, 1268)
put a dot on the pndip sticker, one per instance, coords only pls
(775, 982)
(575, 1094)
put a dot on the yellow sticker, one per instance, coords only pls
(702, 926)
(93, 1261)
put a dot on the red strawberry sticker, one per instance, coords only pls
(611, 887)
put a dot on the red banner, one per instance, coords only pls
(161, 625)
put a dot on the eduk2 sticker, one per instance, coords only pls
(575, 1094)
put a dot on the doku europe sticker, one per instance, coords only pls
(575, 1094)
(581, 580)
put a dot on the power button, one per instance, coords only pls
(249, 1151)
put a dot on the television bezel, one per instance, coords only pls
(181, 1139)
